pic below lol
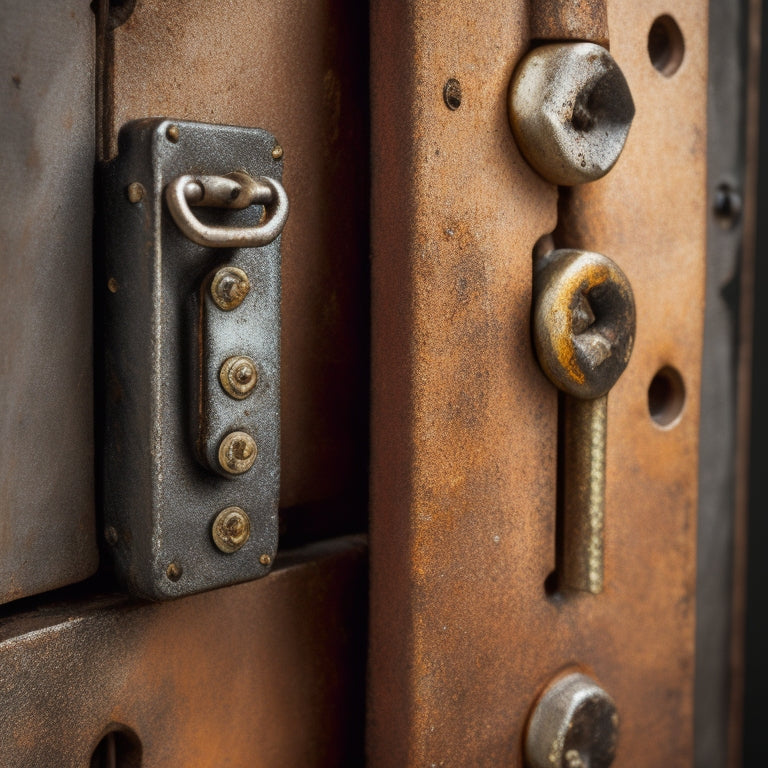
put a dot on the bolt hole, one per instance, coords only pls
(666, 397)
(452, 94)
(727, 205)
(120, 748)
(666, 46)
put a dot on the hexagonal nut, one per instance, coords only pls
(574, 725)
(570, 109)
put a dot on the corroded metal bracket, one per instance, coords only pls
(192, 358)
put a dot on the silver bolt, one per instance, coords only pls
(229, 287)
(570, 109)
(574, 725)
(237, 453)
(238, 376)
(231, 529)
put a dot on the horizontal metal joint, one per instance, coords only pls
(237, 190)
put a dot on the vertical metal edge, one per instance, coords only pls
(722, 458)
(754, 25)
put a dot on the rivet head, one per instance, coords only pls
(229, 287)
(174, 571)
(277, 152)
(135, 192)
(574, 725)
(172, 133)
(238, 376)
(231, 529)
(237, 453)
(265, 559)
(110, 535)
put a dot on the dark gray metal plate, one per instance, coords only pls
(159, 499)
(47, 530)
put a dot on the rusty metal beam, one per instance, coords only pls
(464, 635)
(265, 673)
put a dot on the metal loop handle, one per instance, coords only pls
(198, 190)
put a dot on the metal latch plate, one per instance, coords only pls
(165, 345)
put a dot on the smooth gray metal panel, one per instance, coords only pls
(47, 531)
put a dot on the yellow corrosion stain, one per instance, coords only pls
(581, 281)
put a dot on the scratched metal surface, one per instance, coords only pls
(47, 530)
(463, 633)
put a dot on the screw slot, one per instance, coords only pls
(666, 46)
(666, 397)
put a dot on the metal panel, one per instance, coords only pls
(297, 69)
(268, 673)
(47, 532)
(160, 500)
(464, 635)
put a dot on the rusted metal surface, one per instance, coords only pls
(47, 530)
(570, 109)
(236, 63)
(570, 20)
(265, 673)
(464, 637)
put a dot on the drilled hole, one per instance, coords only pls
(666, 397)
(452, 94)
(666, 46)
(120, 748)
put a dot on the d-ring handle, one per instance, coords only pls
(203, 190)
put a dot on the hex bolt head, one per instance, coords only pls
(229, 288)
(237, 453)
(238, 376)
(573, 725)
(583, 321)
(231, 529)
(570, 109)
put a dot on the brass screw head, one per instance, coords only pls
(238, 376)
(174, 571)
(237, 453)
(277, 152)
(135, 192)
(231, 529)
(172, 133)
(229, 287)
(265, 560)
